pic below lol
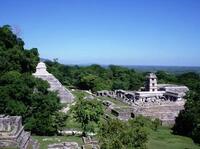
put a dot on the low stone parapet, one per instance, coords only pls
(64, 145)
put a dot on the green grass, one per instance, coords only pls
(115, 101)
(71, 123)
(163, 139)
(79, 93)
(46, 140)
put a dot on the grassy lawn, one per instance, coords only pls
(79, 93)
(163, 139)
(46, 140)
(115, 101)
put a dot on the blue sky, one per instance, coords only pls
(125, 32)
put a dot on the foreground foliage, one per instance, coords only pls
(88, 114)
(116, 134)
(21, 93)
(188, 121)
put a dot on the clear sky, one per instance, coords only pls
(125, 32)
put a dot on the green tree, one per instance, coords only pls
(13, 56)
(88, 113)
(156, 124)
(116, 134)
(188, 120)
(190, 79)
(164, 77)
(96, 77)
(21, 93)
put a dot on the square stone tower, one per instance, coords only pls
(151, 83)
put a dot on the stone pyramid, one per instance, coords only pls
(64, 94)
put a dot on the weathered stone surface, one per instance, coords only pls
(65, 145)
(65, 95)
(163, 101)
(12, 133)
(123, 114)
(90, 143)
(165, 112)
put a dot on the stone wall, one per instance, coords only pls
(123, 114)
(165, 112)
(152, 106)
(65, 145)
(12, 133)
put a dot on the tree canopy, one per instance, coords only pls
(96, 77)
(116, 134)
(21, 93)
(88, 113)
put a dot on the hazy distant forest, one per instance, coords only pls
(96, 77)
(22, 94)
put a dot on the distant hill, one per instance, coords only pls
(44, 59)
(143, 68)
(170, 69)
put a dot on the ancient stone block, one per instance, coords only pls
(12, 133)
(64, 94)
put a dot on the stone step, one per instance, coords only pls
(24, 140)
(64, 94)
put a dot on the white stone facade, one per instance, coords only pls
(64, 94)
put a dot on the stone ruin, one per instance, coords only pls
(65, 95)
(123, 113)
(163, 101)
(12, 134)
(65, 145)
(90, 143)
(165, 112)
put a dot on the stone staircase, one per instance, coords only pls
(64, 94)
(34, 144)
(24, 140)
(166, 113)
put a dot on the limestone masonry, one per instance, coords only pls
(12, 134)
(163, 101)
(65, 145)
(64, 94)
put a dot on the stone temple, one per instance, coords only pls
(163, 101)
(12, 134)
(64, 94)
